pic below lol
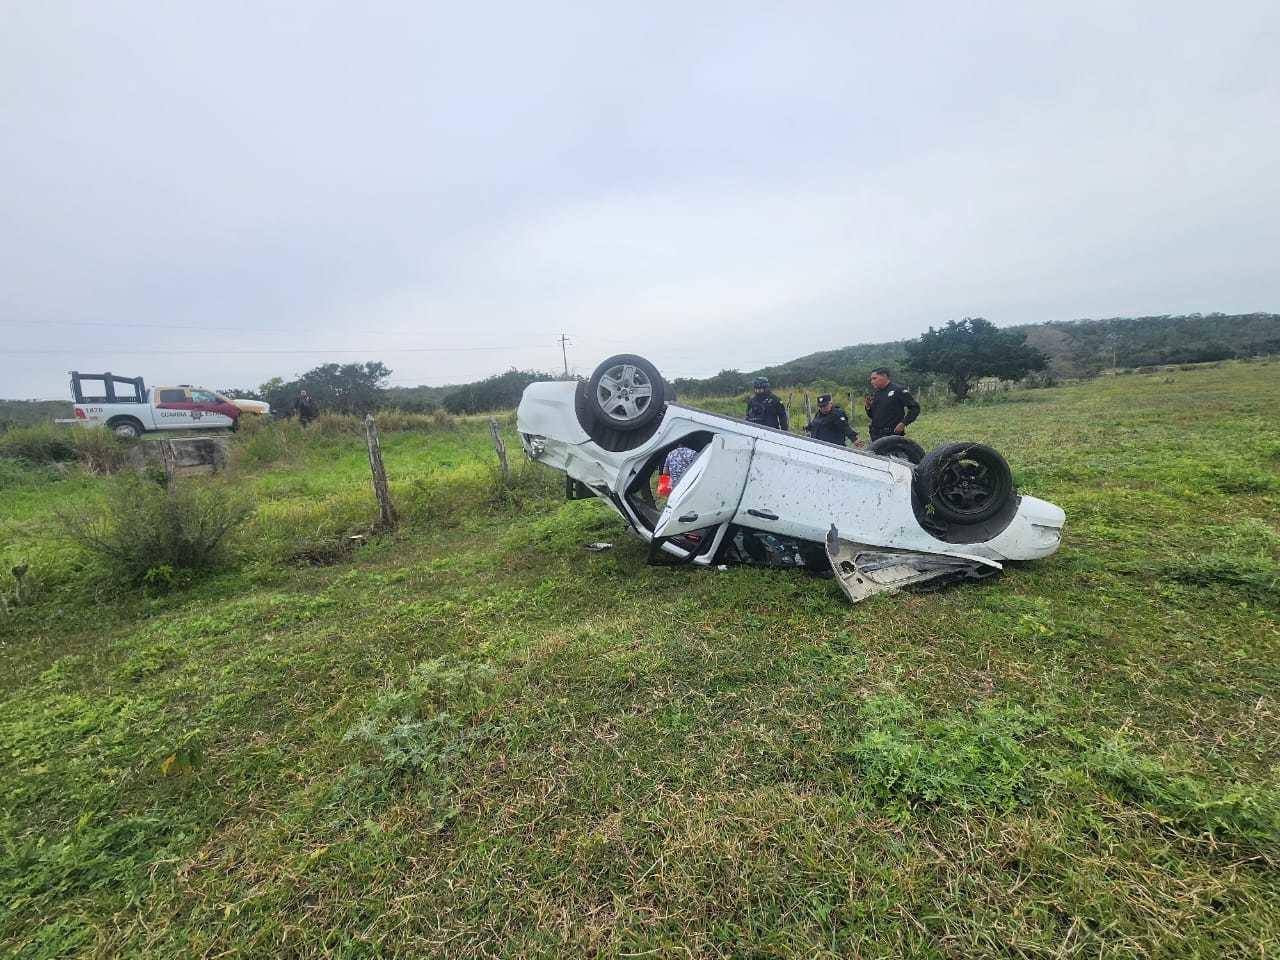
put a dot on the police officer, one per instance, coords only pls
(764, 408)
(890, 405)
(831, 423)
(305, 407)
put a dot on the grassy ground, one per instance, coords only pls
(472, 738)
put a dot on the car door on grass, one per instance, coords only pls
(709, 492)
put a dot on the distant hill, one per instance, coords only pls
(1076, 348)
(1079, 348)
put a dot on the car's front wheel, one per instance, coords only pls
(964, 483)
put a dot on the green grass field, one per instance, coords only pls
(471, 737)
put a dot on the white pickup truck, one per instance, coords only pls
(125, 406)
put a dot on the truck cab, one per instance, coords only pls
(125, 406)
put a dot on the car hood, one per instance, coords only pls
(251, 406)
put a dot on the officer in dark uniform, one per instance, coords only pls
(766, 409)
(305, 407)
(831, 423)
(890, 406)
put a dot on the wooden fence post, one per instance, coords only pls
(387, 513)
(500, 448)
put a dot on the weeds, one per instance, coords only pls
(963, 761)
(1247, 815)
(97, 450)
(1251, 577)
(38, 445)
(424, 725)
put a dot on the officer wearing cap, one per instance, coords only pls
(831, 423)
(764, 408)
(890, 406)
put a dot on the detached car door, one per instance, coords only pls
(710, 490)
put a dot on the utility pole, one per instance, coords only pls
(564, 353)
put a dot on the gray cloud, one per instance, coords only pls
(721, 186)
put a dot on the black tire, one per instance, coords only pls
(125, 427)
(964, 483)
(898, 448)
(626, 393)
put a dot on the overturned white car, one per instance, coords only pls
(878, 518)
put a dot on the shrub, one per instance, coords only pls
(149, 534)
(40, 445)
(98, 450)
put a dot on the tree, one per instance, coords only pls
(354, 388)
(500, 392)
(726, 383)
(966, 349)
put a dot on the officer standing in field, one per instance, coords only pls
(305, 408)
(890, 405)
(764, 408)
(831, 424)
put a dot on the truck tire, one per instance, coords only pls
(127, 428)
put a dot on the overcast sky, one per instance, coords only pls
(218, 193)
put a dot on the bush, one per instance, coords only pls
(100, 451)
(40, 445)
(149, 534)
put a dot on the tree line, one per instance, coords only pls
(957, 353)
(360, 388)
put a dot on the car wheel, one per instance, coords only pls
(898, 448)
(964, 483)
(127, 429)
(626, 393)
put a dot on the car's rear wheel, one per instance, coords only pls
(898, 448)
(964, 483)
(626, 393)
(126, 428)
